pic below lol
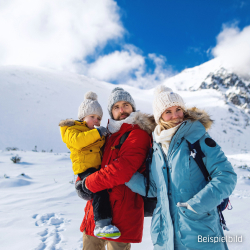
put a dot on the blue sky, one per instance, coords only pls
(134, 42)
(182, 30)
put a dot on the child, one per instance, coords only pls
(85, 143)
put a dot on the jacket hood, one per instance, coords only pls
(145, 122)
(195, 114)
(68, 122)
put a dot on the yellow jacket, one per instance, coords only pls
(84, 144)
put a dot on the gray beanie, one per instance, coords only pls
(90, 106)
(119, 94)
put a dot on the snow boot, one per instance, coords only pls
(109, 231)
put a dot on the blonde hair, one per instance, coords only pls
(165, 125)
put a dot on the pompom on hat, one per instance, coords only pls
(165, 98)
(90, 106)
(119, 94)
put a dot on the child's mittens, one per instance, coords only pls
(81, 193)
(102, 130)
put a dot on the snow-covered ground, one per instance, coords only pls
(39, 208)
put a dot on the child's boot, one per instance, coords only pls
(104, 228)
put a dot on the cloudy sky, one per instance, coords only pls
(139, 42)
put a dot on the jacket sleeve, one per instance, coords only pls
(79, 139)
(223, 179)
(138, 185)
(130, 158)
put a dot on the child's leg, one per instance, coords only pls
(103, 216)
(102, 208)
(102, 212)
(101, 204)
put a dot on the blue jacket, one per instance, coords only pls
(174, 178)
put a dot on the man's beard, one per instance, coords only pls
(124, 113)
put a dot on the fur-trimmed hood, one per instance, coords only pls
(145, 122)
(67, 122)
(195, 114)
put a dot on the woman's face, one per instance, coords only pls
(173, 114)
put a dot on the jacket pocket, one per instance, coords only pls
(191, 225)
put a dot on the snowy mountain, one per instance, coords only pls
(213, 75)
(234, 89)
(39, 208)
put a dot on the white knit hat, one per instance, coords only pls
(90, 106)
(164, 98)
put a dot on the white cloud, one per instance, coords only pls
(56, 34)
(129, 67)
(145, 79)
(233, 47)
(117, 65)
(61, 34)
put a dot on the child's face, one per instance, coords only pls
(92, 120)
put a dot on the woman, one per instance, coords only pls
(186, 210)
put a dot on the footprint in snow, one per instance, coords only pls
(52, 225)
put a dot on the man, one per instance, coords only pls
(118, 166)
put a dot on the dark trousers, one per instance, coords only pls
(101, 204)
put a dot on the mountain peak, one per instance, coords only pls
(235, 89)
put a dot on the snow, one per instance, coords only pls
(39, 208)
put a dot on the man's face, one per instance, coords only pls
(121, 110)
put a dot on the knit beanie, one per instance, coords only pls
(119, 94)
(164, 98)
(90, 106)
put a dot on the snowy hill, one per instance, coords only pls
(33, 101)
(38, 203)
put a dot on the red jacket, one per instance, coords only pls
(118, 166)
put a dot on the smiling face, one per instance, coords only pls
(121, 110)
(92, 120)
(173, 114)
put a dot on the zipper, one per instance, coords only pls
(175, 139)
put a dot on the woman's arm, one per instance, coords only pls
(138, 185)
(223, 178)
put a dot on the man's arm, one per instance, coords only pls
(130, 158)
